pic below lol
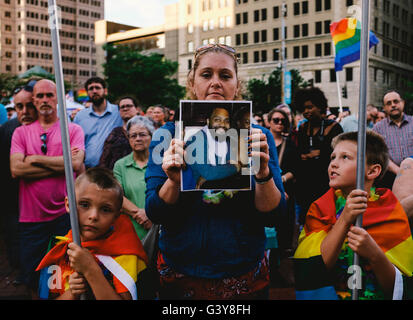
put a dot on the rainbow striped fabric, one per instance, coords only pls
(82, 95)
(346, 37)
(384, 219)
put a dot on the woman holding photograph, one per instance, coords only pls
(212, 243)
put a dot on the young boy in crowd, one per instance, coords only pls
(329, 238)
(111, 257)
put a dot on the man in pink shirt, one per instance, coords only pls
(36, 157)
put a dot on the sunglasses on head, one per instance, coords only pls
(43, 147)
(210, 46)
(28, 87)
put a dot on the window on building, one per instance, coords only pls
(304, 30)
(318, 50)
(245, 38)
(296, 8)
(256, 36)
(276, 54)
(263, 14)
(276, 34)
(318, 27)
(263, 55)
(296, 52)
(304, 7)
(318, 5)
(276, 12)
(245, 57)
(256, 56)
(304, 51)
(296, 31)
(333, 75)
(263, 35)
(317, 77)
(349, 74)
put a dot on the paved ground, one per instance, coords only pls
(281, 285)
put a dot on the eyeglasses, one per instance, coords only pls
(389, 103)
(43, 137)
(214, 45)
(141, 135)
(278, 120)
(126, 106)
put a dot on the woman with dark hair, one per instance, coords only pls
(314, 147)
(288, 159)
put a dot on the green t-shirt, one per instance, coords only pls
(132, 179)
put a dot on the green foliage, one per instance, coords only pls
(266, 94)
(147, 77)
(7, 83)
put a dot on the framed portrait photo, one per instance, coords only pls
(216, 145)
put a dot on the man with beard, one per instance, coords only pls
(36, 158)
(212, 166)
(397, 131)
(97, 121)
(26, 114)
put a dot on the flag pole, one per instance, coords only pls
(361, 145)
(67, 153)
(340, 104)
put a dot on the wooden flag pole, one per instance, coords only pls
(361, 145)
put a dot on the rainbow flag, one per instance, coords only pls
(386, 222)
(82, 95)
(346, 37)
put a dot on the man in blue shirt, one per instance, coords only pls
(97, 121)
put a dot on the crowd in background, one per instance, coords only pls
(200, 241)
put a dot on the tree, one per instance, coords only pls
(147, 77)
(266, 94)
(7, 84)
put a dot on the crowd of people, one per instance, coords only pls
(143, 237)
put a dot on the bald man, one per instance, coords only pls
(36, 158)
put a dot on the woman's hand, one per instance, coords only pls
(258, 146)
(141, 218)
(77, 285)
(173, 161)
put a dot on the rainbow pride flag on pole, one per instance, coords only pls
(346, 37)
(82, 95)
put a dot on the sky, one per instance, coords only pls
(138, 13)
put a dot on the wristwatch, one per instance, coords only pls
(264, 180)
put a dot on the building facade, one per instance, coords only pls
(254, 29)
(25, 39)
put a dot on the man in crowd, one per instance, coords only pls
(97, 121)
(26, 114)
(397, 131)
(36, 158)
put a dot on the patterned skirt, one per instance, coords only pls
(253, 285)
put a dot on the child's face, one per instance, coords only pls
(342, 170)
(97, 210)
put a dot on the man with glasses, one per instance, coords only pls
(117, 143)
(26, 114)
(397, 131)
(36, 158)
(97, 121)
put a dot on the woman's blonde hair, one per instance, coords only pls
(190, 95)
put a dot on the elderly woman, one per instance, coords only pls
(130, 172)
(212, 250)
(314, 147)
